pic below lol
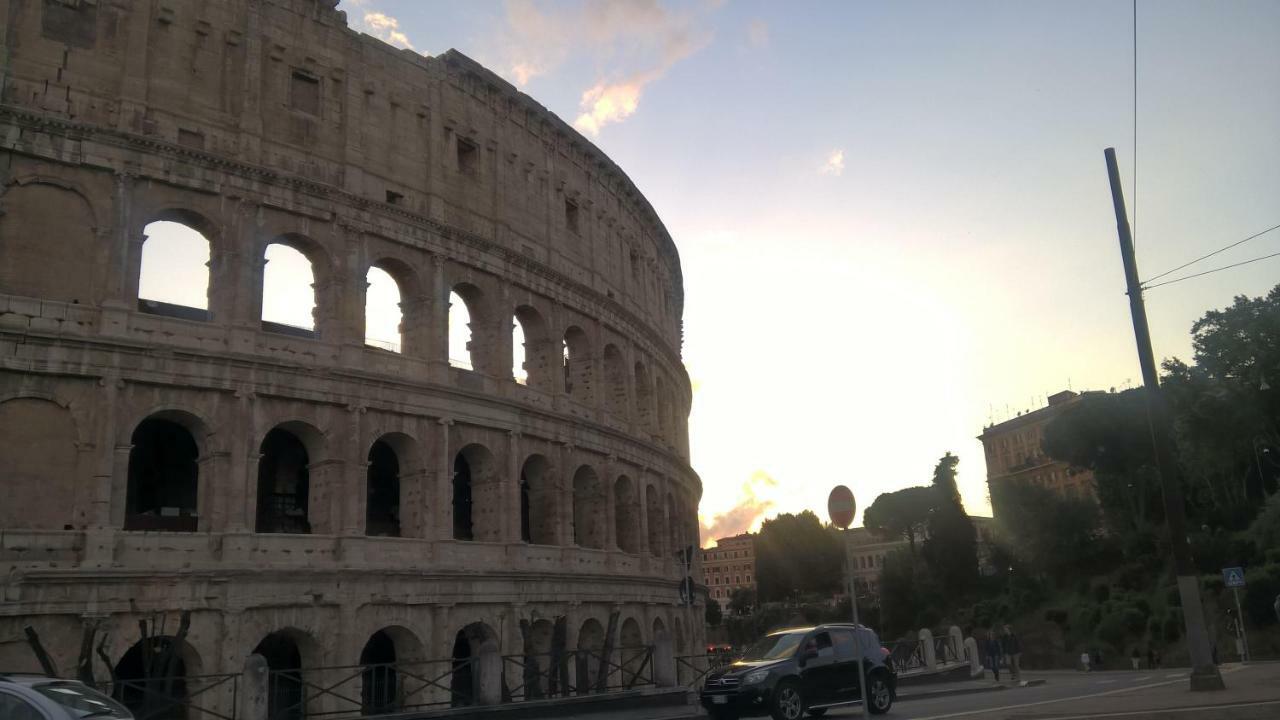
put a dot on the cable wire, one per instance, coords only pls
(1135, 126)
(1206, 257)
(1210, 272)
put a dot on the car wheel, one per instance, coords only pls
(788, 704)
(817, 712)
(879, 696)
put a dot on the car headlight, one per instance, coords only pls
(755, 676)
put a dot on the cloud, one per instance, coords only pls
(758, 34)
(834, 164)
(379, 24)
(741, 517)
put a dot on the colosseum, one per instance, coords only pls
(238, 486)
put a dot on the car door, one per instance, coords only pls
(844, 675)
(817, 677)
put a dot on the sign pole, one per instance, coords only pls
(840, 508)
(1240, 633)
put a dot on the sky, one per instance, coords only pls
(893, 217)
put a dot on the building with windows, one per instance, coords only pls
(309, 493)
(1014, 453)
(729, 566)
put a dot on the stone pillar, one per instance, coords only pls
(241, 491)
(664, 660)
(444, 482)
(416, 338)
(642, 503)
(438, 323)
(955, 637)
(511, 488)
(930, 658)
(488, 675)
(566, 488)
(971, 653)
(253, 689)
(213, 479)
(609, 477)
(354, 469)
(324, 503)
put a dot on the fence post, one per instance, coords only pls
(971, 651)
(664, 660)
(254, 688)
(930, 657)
(489, 671)
(956, 637)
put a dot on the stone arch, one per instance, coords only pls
(383, 493)
(477, 495)
(534, 357)
(538, 638)
(463, 685)
(284, 478)
(588, 509)
(382, 689)
(675, 540)
(626, 514)
(282, 298)
(658, 628)
(631, 651)
(654, 516)
(577, 362)
(288, 653)
(163, 483)
(644, 395)
(615, 373)
(173, 267)
(35, 209)
(467, 319)
(590, 656)
(150, 678)
(38, 455)
(539, 513)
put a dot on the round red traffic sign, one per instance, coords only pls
(841, 506)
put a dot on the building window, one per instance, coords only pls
(304, 93)
(468, 157)
(571, 216)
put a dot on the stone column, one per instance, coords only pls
(353, 497)
(642, 502)
(240, 494)
(254, 689)
(444, 482)
(566, 489)
(438, 323)
(416, 339)
(213, 476)
(930, 658)
(664, 660)
(609, 477)
(511, 489)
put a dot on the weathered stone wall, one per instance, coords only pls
(269, 121)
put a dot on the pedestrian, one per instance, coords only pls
(993, 653)
(1084, 661)
(1135, 658)
(1012, 653)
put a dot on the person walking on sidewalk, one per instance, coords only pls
(1084, 660)
(1012, 653)
(1135, 658)
(993, 653)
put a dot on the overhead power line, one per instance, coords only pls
(1210, 272)
(1206, 257)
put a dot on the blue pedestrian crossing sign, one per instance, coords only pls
(1233, 577)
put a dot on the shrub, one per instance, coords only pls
(1112, 629)
(1153, 629)
(1134, 620)
(1101, 593)
(1172, 626)
(1058, 616)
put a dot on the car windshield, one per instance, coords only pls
(774, 647)
(83, 701)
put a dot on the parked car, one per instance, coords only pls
(37, 697)
(791, 672)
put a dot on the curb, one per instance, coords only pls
(966, 691)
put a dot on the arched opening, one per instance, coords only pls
(588, 510)
(284, 484)
(644, 396)
(477, 496)
(151, 678)
(380, 690)
(537, 666)
(463, 528)
(615, 373)
(285, 697)
(466, 652)
(577, 364)
(163, 478)
(531, 349)
(382, 507)
(653, 511)
(591, 663)
(464, 322)
(674, 541)
(383, 318)
(626, 515)
(538, 514)
(288, 292)
(633, 653)
(174, 276)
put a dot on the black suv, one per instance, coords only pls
(790, 672)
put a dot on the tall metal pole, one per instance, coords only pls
(857, 636)
(1240, 631)
(1204, 674)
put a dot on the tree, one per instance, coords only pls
(952, 547)
(741, 601)
(901, 514)
(1049, 533)
(714, 614)
(795, 554)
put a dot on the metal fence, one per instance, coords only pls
(544, 675)
(189, 697)
(346, 691)
(906, 655)
(691, 669)
(945, 650)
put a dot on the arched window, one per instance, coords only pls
(382, 509)
(286, 696)
(519, 352)
(626, 514)
(615, 372)
(463, 528)
(653, 512)
(533, 352)
(462, 337)
(284, 484)
(590, 657)
(382, 314)
(288, 292)
(163, 484)
(379, 681)
(174, 278)
(577, 364)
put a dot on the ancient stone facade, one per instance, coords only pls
(296, 486)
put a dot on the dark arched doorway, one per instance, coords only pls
(285, 697)
(162, 487)
(284, 484)
(379, 681)
(150, 680)
(382, 508)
